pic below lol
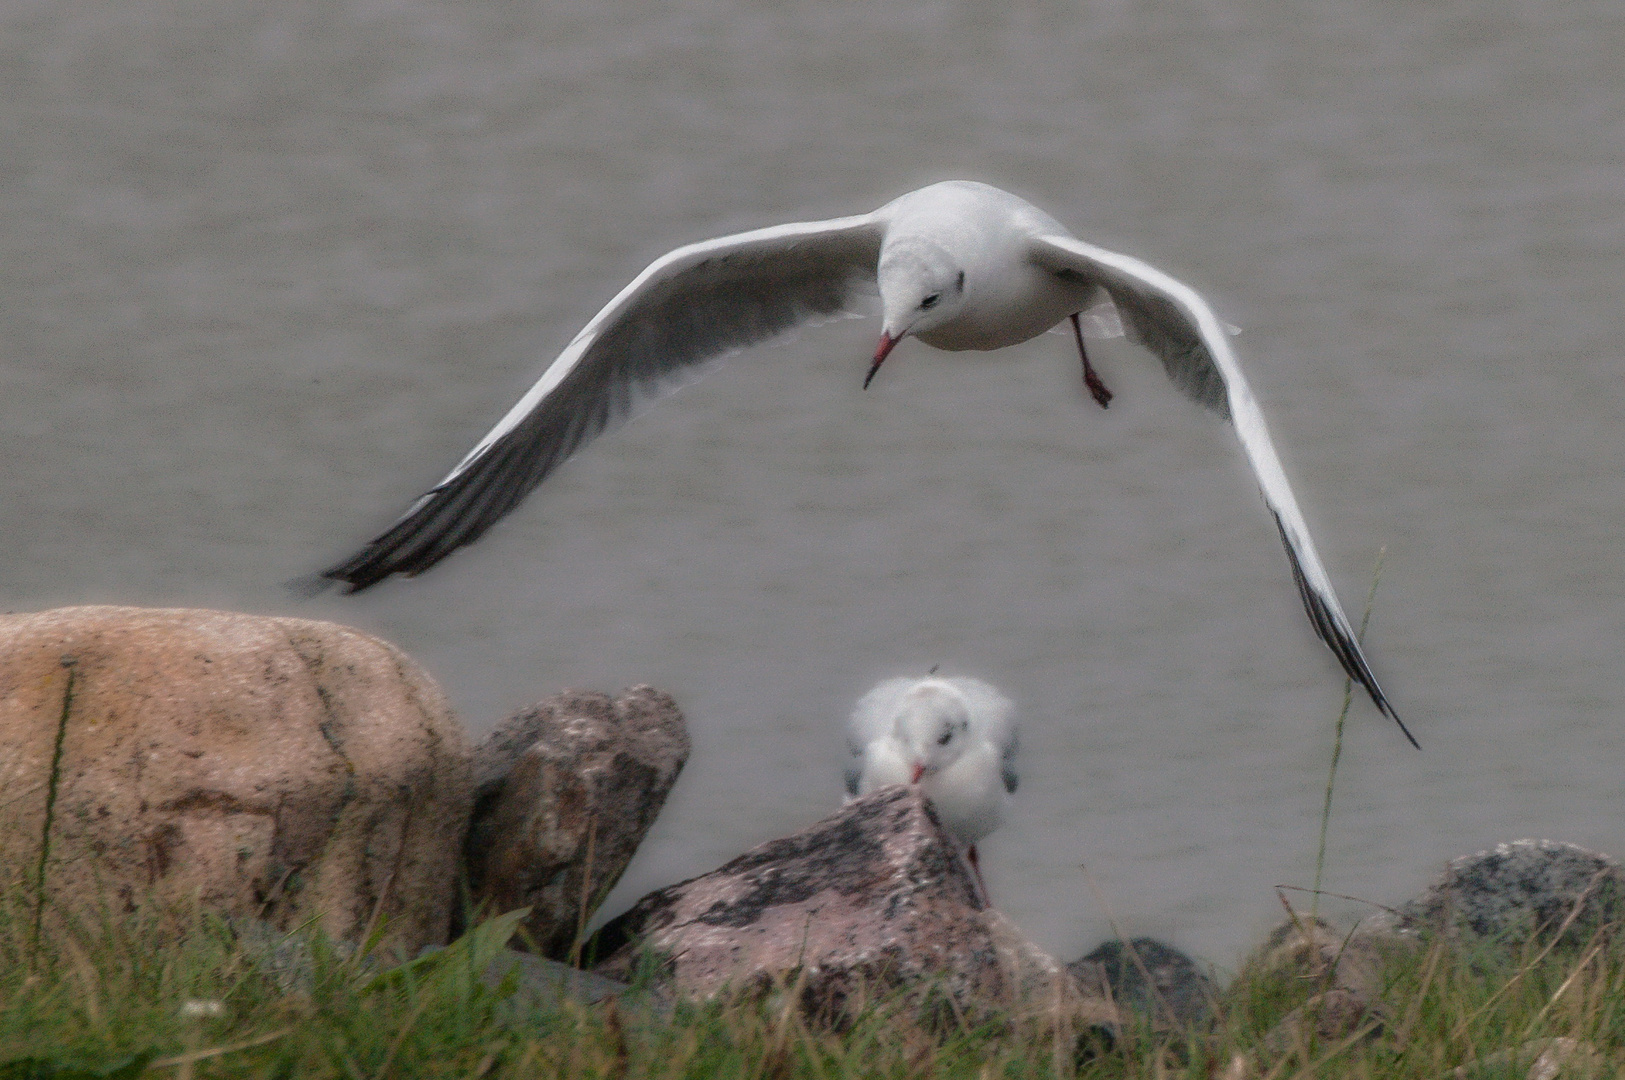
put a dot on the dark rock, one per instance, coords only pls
(565, 793)
(264, 767)
(1147, 977)
(867, 901)
(1521, 891)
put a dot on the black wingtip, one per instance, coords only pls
(1381, 701)
(308, 586)
(353, 578)
(360, 571)
(1344, 646)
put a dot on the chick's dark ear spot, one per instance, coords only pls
(960, 284)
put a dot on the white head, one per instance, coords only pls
(921, 287)
(933, 726)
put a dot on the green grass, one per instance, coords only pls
(161, 994)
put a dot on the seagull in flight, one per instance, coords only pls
(958, 265)
(953, 738)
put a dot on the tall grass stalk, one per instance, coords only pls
(68, 663)
(1337, 743)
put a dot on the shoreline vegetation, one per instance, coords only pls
(268, 887)
(170, 990)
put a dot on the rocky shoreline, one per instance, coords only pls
(285, 772)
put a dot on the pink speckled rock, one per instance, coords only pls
(270, 767)
(867, 901)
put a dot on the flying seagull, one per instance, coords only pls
(958, 264)
(953, 738)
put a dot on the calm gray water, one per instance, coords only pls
(268, 268)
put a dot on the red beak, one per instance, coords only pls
(887, 344)
(919, 771)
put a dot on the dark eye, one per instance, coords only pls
(945, 738)
(931, 301)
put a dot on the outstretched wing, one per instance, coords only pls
(1174, 322)
(871, 719)
(691, 305)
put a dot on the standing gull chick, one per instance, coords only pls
(955, 739)
(959, 265)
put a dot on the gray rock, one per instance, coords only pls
(1540, 1059)
(867, 901)
(286, 958)
(1522, 890)
(538, 984)
(1147, 977)
(543, 985)
(565, 793)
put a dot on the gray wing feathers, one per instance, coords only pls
(993, 718)
(1159, 325)
(1150, 317)
(875, 712)
(1173, 321)
(693, 305)
(871, 718)
(1007, 764)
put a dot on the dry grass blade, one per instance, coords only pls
(586, 893)
(621, 1057)
(1413, 1011)
(54, 781)
(1314, 1067)
(1337, 741)
(1134, 954)
(1341, 896)
(1579, 904)
(217, 1051)
(1598, 943)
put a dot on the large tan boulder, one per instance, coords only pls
(269, 767)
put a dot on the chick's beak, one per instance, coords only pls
(887, 344)
(919, 771)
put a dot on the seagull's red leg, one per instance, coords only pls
(976, 868)
(1090, 379)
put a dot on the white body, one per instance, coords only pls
(1008, 297)
(956, 738)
